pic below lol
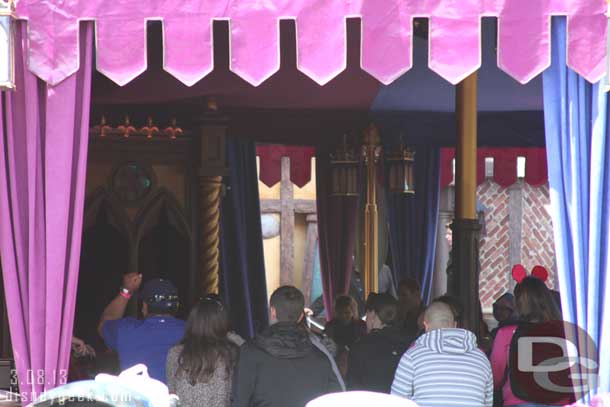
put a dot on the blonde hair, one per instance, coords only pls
(346, 308)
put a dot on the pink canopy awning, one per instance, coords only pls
(386, 43)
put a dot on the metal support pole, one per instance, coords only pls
(464, 278)
(371, 151)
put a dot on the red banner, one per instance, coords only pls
(505, 165)
(271, 163)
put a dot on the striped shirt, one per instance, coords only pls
(444, 368)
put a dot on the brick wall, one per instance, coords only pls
(537, 245)
(515, 219)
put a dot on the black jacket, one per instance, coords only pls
(281, 368)
(374, 358)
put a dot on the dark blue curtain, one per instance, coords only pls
(337, 218)
(413, 220)
(243, 283)
(578, 150)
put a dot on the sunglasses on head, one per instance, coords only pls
(211, 299)
(162, 298)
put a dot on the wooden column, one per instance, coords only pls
(212, 131)
(439, 281)
(464, 277)
(310, 256)
(372, 152)
(515, 221)
(286, 225)
(210, 188)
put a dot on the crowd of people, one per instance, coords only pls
(399, 347)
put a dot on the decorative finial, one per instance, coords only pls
(371, 136)
(150, 129)
(212, 104)
(172, 131)
(127, 129)
(102, 128)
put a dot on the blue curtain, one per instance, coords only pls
(316, 283)
(576, 117)
(413, 221)
(243, 283)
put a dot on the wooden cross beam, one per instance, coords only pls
(286, 225)
(306, 206)
(288, 207)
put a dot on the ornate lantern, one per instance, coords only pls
(401, 170)
(344, 170)
(7, 45)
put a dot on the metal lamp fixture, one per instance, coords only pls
(401, 170)
(344, 170)
(7, 45)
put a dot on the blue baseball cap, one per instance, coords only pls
(159, 290)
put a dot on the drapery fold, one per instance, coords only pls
(243, 283)
(578, 149)
(413, 220)
(337, 220)
(43, 154)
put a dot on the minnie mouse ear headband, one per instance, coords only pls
(519, 273)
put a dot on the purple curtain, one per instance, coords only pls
(43, 155)
(337, 219)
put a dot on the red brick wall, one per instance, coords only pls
(536, 238)
(495, 244)
(537, 247)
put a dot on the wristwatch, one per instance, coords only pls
(125, 293)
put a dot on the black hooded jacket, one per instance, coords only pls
(281, 368)
(374, 358)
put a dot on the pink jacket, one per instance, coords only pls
(499, 364)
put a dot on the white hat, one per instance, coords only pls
(360, 398)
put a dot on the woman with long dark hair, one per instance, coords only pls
(536, 308)
(200, 367)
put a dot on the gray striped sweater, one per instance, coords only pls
(444, 368)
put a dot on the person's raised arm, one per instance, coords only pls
(116, 308)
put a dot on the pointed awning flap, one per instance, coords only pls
(503, 166)
(386, 48)
(270, 170)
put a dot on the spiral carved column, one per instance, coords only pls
(212, 167)
(210, 188)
